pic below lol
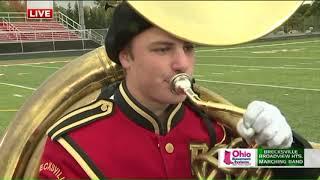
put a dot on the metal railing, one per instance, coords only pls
(48, 35)
(66, 21)
(11, 32)
(71, 24)
(94, 36)
(8, 25)
(20, 17)
(14, 16)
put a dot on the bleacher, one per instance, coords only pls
(36, 26)
(19, 28)
(18, 34)
(36, 31)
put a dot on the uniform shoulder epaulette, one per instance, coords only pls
(81, 117)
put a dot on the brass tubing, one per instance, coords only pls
(217, 106)
(181, 83)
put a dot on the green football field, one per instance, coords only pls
(284, 73)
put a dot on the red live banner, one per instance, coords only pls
(40, 13)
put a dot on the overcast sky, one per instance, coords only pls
(65, 3)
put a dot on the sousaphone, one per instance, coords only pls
(79, 82)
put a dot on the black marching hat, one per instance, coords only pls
(125, 24)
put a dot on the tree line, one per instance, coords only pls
(306, 17)
(95, 17)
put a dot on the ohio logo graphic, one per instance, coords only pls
(227, 157)
(237, 158)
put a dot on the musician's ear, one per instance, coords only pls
(125, 57)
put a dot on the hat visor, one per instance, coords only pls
(217, 22)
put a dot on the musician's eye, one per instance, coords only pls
(161, 50)
(188, 48)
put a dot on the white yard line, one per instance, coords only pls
(305, 63)
(17, 95)
(46, 62)
(257, 46)
(217, 73)
(259, 85)
(20, 74)
(276, 51)
(260, 57)
(8, 110)
(19, 86)
(198, 75)
(261, 67)
(47, 67)
(290, 65)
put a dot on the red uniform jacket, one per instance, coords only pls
(119, 138)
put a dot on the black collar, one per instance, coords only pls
(143, 116)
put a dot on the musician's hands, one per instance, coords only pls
(264, 124)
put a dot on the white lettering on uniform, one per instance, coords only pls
(54, 169)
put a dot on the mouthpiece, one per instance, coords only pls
(180, 83)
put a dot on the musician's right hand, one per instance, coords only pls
(264, 124)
